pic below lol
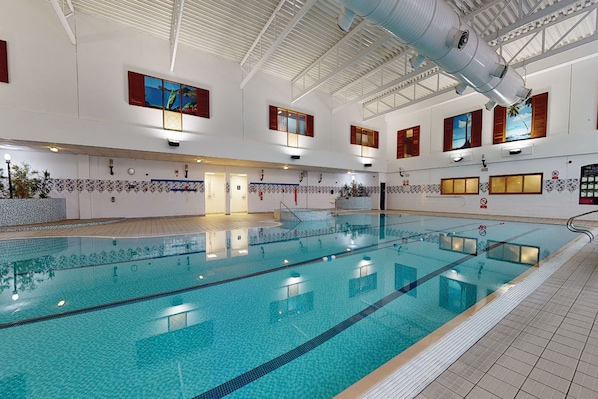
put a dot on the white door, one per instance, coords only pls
(215, 191)
(238, 193)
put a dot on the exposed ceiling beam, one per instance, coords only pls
(175, 30)
(333, 53)
(283, 34)
(531, 17)
(62, 17)
(263, 32)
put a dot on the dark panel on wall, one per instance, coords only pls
(273, 119)
(415, 145)
(203, 103)
(309, 128)
(476, 128)
(136, 89)
(500, 125)
(539, 115)
(448, 134)
(3, 62)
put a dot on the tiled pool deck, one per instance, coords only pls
(545, 346)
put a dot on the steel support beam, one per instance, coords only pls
(333, 55)
(63, 18)
(175, 30)
(280, 38)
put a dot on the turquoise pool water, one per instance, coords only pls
(295, 311)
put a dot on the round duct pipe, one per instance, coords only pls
(434, 30)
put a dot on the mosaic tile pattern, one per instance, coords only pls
(154, 185)
(165, 185)
(255, 187)
(14, 212)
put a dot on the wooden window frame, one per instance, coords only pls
(413, 148)
(476, 131)
(522, 192)
(538, 128)
(358, 132)
(273, 124)
(137, 94)
(477, 192)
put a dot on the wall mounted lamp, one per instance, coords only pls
(484, 161)
(300, 177)
(111, 166)
(401, 172)
(320, 178)
(515, 151)
(173, 143)
(262, 175)
(186, 171)
(457, 158)
(295, 156)
(367, 165)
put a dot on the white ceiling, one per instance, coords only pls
(299, 40)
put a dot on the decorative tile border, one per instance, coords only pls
(152, 186)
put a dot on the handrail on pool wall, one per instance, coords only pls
(294, 214)
(581, 230)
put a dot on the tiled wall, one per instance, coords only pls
(15, 212)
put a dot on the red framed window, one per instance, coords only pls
(408, 142)
(286, 120)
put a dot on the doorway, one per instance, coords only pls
(215, 193)
(238, 193)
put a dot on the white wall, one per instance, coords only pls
(571, 142)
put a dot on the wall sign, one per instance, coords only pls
(588, 185)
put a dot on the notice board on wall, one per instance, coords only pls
(588, 185)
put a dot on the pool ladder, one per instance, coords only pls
(581, 230)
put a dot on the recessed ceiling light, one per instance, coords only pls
(198, 161)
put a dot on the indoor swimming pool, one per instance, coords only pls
(294, 311)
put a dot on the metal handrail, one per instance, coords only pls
(294, 214)
(581, 230)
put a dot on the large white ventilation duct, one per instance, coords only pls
(433, 28)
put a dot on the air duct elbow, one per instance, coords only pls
(460, 89)
(345, 19)
(499, 71)
(416, 61)
(524, 93)
(490, 105)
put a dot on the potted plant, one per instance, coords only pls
(26, 182)
(27, 199)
